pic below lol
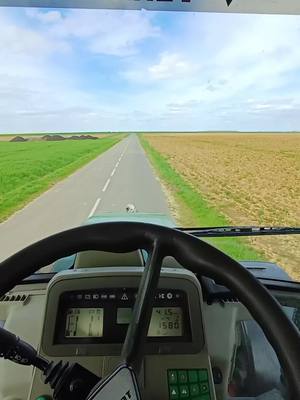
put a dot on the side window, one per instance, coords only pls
(256, 371)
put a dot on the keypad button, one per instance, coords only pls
(193, 376)
(203, 376)
(182, 376)
(174, 392)
(184, 391)
(204, 397)
(204, 387)
(172, 375)
(194, 389)
(44, 397)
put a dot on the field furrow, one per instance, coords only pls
(251, 179)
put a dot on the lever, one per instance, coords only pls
(68, 381)
(14, 349)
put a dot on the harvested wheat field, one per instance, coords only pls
(251, 179)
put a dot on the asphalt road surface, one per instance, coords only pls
(120, 176)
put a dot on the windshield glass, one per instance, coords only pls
(183, 119)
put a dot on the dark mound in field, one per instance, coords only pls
(73, 137)
(82, 137)
(50, 138)
(18, 139)
(91, 137)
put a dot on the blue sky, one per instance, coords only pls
(98, 70)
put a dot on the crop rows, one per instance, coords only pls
(251, 179)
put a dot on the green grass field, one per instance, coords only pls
(193, 209)
(28, 169)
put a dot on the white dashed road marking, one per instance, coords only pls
(113, 172)
(94, 208)
(107, 182)
(106, 185)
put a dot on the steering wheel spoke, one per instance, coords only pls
(132, 352)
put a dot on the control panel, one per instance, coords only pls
(87, 315)
(103, 316)
(90, 318)
(189, 384)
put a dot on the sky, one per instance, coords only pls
(98, 70)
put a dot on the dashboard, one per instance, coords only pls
(195, 338)
(103, 315)
(91, 312)
(87, 313)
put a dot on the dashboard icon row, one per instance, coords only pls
(121, 296)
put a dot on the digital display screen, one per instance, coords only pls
(165, 321)
(84, 322)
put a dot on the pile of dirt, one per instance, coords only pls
(50, 138)
(89, 137)
(18, 139)
(73, 137)
(82, 137)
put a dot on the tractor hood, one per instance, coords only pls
(150, 218)
(260, 269)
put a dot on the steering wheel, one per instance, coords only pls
(194, 254)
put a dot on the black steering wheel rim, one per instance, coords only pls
(194, 254)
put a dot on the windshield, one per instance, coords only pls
(183, 119)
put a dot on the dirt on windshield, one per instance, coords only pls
(251, 179)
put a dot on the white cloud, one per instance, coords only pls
(244, 56)
(199, 72)
(18, 40)
(170, 66)
(32, 85)
(41, 89)
(107, 32)
(274, 105)
(44, 16)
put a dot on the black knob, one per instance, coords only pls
(217, 375)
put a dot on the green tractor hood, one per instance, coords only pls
(150, 218)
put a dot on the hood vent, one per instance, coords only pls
(14, 298)
(228, 300)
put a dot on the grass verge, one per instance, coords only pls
(193, 209)
(30, 168)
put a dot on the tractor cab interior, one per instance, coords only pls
(146, 311)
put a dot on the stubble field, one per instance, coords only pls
(250, 179)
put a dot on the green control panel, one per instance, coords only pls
(189, 384)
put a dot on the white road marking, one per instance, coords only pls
(94, 208)
(106, 185)
(113, 172)
(111, 175)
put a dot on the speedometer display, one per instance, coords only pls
(166, 321)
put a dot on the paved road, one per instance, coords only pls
(120, 176)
